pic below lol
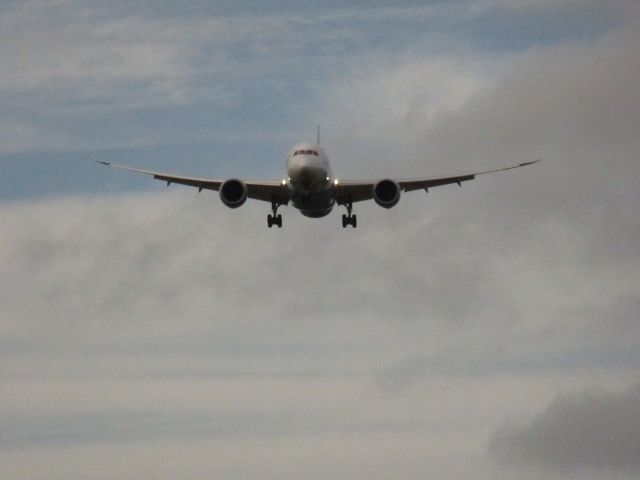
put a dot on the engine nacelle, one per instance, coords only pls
(233, 193)
(386, 193)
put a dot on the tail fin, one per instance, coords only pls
(318, 138)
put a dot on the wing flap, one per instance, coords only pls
(350, 192)
(268, 191)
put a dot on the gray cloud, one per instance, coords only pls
(594, 428)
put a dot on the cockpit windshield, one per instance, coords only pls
(305, 152)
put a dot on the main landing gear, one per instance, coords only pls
(349, 219)
(274, 219)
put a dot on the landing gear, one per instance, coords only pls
(274, 219)
(349, 219)
(277, 220)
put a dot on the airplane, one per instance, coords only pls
(310, 186)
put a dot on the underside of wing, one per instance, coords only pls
(350, 192)
(268, 191)
(427, 183)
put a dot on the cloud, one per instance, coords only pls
(563, 104)
(83, 61)
(85, 57)
(126, 328)
(143, 75)
(186, 339)
(594, 428)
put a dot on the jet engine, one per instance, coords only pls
(233, 193)
(386, 193)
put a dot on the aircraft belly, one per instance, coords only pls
(316, 213)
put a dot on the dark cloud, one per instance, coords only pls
(594, 428)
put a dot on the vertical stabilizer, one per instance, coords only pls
(318, 137)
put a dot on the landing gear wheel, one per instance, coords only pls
(274, 220)
(349, 220)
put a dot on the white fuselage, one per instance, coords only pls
(310, 180)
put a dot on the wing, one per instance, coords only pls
(257, 189)
(358, 191)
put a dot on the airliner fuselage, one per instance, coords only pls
(310, 181)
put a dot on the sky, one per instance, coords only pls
(486, 332)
